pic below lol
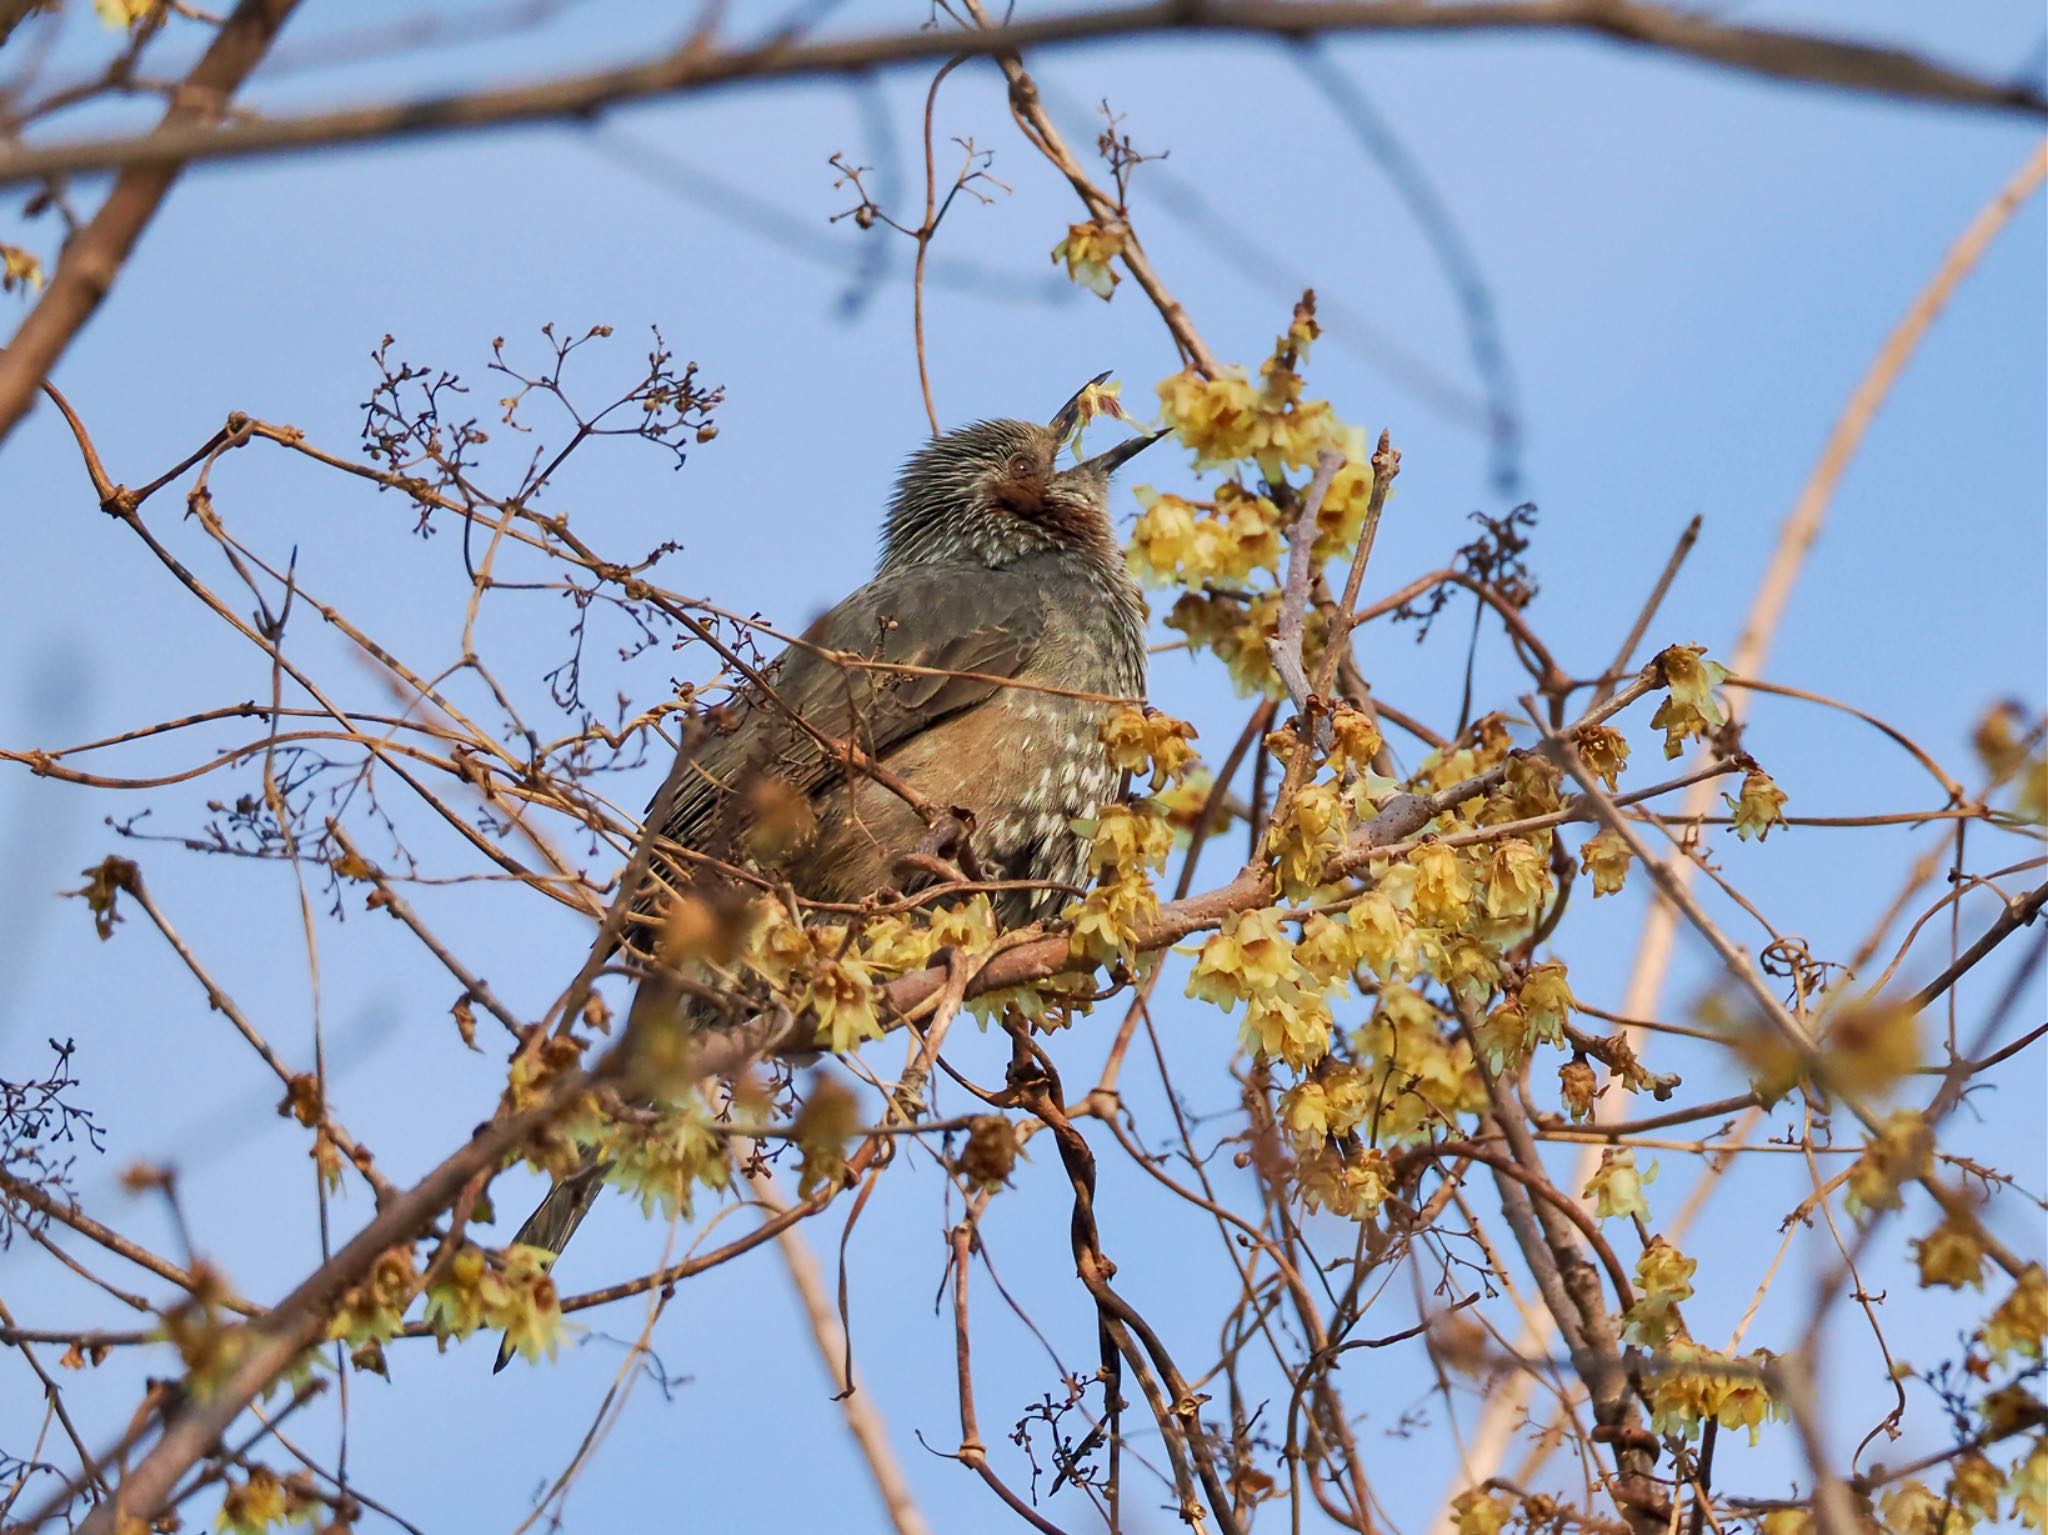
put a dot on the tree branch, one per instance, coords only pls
(94, 256)
(1808, 59)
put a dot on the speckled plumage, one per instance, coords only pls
(999, 577)
(996, 564)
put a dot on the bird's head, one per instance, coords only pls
(993, 492)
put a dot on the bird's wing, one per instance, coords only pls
(942, 620)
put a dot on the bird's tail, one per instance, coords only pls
(554, 1222)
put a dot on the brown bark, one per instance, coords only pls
(95, 255)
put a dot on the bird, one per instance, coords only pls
(1007, 627)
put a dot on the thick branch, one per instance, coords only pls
(1812, 60)
(94, 256)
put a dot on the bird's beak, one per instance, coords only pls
(1106, 463)
(1062, 423)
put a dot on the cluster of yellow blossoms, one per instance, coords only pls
(508, 1292)
(514, 1296)
(1663, 1279)
(265, 1500)
(1226, 551)
(1690, 712)
(1692, 1386)
(1147, 741)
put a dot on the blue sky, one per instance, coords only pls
(1690, 270)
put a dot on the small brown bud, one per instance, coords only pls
(302, 1099)
(1575, 1085)
(990, 1153)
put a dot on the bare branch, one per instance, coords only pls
(1826, 61)
(95, 255)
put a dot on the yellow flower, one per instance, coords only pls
(1617, 1189)
(1517, 880)
(2029, 1486)
(895, 943)
(1913, 1508)
(1547, 998)
(1164, 538)
(1354, 1186)
(1301, 841)
(1305, 1110)
(1342, 517)
(969, 927)
(1443, 889)
(20, 266)
(1088, 250)
(1354, 742)
(1327, 953)
(1128, 839)
(1248, 527)
(1680, 723)
(1417, 1077)
(1871, 1047)
(1173, 542)
(827, 1120)
(252, 1507)
(842, 996)
(773, 946)
(1182, 805)
(1974, 1484)
(1604, 750)
(119, 15)
(1664, 1278)
(526, 1307)
(1503, 1035)
(1379, 933)
(1998, 740)
(1439, 771)
(1098, 399)
(1575, 1084)
(1950, 1255)
(1761, 807)
(1901, 1151)
(662, 1162)
(1217, 417)
(2021, 1320)
(1606, 858)
(1110, 920)
(1469, 967)
(1530, 788)
(1695, 1384)
(1290, 1024)
(454, 1304)
(1745, 1403)
(2031, 805)
(1479, 1512)
(1052, 1003)
(1224, 626)
(1334, 1101)
(1248, 955)
(375, 1308)
(1692, 679)
(1144, 740)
